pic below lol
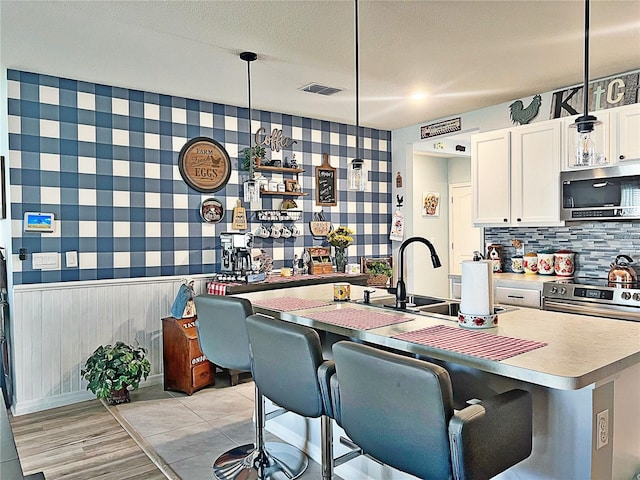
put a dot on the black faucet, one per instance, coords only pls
(401, 289)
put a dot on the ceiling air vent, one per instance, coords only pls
(319, 89)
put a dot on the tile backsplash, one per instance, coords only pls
(596, 244)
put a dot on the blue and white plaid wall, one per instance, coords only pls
(103, 159)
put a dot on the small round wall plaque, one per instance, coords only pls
(204, 165)
(211, 210)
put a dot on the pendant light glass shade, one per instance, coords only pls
(587, 132)
(357, 172)
(357, 175)
(588, 138)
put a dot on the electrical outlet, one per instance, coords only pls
(602, 429)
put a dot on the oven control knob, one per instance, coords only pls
(554, 289)
(636, 297)
(563, 290)
(626, 295)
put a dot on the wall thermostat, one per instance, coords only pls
(38, 222)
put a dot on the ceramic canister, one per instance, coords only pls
(530, 263)
(545, 263)
(564, 264)
(516, 265)
(341, 292)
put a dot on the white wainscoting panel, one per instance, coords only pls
(57, 326)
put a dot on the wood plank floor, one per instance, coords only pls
(81, 441)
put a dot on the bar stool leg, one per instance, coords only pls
(327, 447)
(270, 461)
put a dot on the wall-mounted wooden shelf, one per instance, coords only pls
(284, 194)
(279, 169)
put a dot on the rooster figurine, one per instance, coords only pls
(522, 115)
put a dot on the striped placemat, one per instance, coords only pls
(358, 319)
(287, 304)
(469, 342)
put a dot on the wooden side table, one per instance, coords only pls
(186, 369)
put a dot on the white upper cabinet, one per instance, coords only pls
(491, 177)
(625, 133)
(621, 132)
(535, 174)
(516, 175)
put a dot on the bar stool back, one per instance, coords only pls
(289, 370)
(224, 339)
(399, 410)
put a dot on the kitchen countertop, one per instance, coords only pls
(580, 351)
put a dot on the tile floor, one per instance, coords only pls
(187, 433)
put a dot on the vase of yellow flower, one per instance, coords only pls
(340, 239)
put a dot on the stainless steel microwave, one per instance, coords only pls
(607, 193)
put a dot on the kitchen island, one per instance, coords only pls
(586, 366)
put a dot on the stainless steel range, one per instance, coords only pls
(592, 296)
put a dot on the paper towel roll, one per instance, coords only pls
(477, 287)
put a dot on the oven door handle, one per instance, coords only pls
(599, 311)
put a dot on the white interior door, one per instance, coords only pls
(464, 238)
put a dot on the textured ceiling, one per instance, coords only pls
(464, 55)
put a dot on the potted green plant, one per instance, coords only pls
(251, 155)
(379, 273)
(113, 370)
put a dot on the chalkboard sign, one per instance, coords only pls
(326, 184)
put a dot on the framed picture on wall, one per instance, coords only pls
(430, 204)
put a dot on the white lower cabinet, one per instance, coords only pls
(508, 289)
(523, 297)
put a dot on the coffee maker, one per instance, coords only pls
(236, 252)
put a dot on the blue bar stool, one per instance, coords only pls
(289, 370)
(399, 411)
(223, 338)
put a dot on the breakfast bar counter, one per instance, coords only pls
(579, 369)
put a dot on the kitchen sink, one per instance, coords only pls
(414, 302)
(448, 308)
(426, 305)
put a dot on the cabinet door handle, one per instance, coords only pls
(505, 219)
(621, 157)
(515, 296)
(518, 219)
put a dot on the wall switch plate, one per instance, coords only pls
(72, 259)
(46, 261)
(602, 429)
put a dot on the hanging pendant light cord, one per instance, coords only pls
(585, 92)
(250, 119)
(249, 57)
(357, 87)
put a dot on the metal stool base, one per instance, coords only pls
(279, 461)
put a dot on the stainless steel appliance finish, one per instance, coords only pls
(592, 296)
(606, 193)
(236, 252)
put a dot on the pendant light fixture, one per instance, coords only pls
(587, 137)
(251, 187)
(357, 174)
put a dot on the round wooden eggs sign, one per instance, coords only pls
(204, 164)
